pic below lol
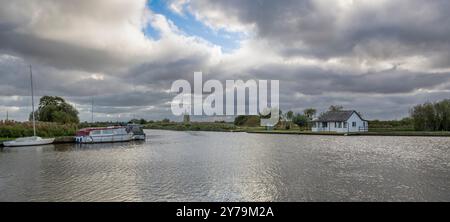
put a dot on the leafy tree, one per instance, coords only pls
(55, 109)
(431, 116)
(300, 120)
(134, 121)
(334, 108)
(142, 121)
(310, 112)
(138, 121)
(289, 115)
(286, 119)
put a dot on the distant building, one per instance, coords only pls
(340, 121)
(186, 118)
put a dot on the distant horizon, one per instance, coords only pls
(194, 118)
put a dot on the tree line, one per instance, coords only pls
(431, 116)
(424, 117)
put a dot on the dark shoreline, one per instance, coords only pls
(410, 134)
(295, 132)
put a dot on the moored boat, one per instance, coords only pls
(137, 130)
(33, 140)
(103, 135)
(28, 141)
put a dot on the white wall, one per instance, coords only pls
(359, 123)
(331, 125)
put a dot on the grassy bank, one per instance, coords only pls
(11, 130)
(229, 127)
(291, 132)
(65, 133)
(404, 133)
(193, 126)
(371, 133)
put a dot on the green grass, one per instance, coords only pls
(6, 139)
(14, 129)
(295, 132)
(405, 133)
(386, 133)
(193, 126)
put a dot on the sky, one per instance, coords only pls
(377, 57)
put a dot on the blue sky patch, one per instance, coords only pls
(190, 26)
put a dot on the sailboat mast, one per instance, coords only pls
(92, 109)
(32, 102)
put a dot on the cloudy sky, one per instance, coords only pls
(378, 57)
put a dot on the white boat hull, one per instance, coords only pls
(104, 138)
(28, 142)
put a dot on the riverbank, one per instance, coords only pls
(229, 127)
(63, 133)
(194, 126)
(387, 133)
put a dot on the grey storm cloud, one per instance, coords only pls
(57, 54)
(314, 80)
(371, 56)
(336, 28)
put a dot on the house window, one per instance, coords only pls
(324, 125)
(345, 124)
(353, 124)
(335, 125)
(339, 125)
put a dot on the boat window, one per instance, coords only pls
(120, 131)
(107, 132)
(96, 132)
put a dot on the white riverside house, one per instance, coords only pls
(341, 122)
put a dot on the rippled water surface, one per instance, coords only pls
(212, 166)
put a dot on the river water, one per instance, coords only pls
(215, 166)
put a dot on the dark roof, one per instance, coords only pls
(337, 116)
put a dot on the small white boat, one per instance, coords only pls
(33, 140)
(28, 141)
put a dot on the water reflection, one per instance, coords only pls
(210, 166)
